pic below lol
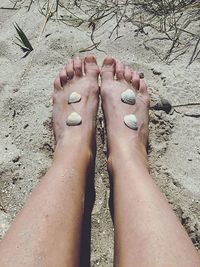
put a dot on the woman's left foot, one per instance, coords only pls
(116, 79)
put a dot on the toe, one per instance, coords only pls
(70, 69)
(90, 66)
(120, 70)
(57, 83)
(143, 87)
(144, 92)
(128, 74)
(78, 67)
(108, 68)
(63, 76)
(135, 80)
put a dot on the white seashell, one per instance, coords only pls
(74, 98)
(131, 121)
(128, 97)
(74, 119)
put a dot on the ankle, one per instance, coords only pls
(125, 155)
(73, 144)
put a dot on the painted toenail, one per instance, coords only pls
(141, 74)
(74, 98)
(128, 97)
(74, 119)
(131, 121)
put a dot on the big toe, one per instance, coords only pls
(90, 66)
(108, 68)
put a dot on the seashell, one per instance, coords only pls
(128, 97)
(74, 98)
(131, 121)
(74, 119)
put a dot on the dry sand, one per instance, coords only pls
(26, 140)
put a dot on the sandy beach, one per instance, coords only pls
(26, 137)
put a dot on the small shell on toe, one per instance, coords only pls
(74, 119)
(131, 121)
(74, 98)
(128, 97)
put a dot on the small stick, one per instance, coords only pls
(9, 8)
(193, 57)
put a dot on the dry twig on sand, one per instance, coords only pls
(172, 20)
(168, 21)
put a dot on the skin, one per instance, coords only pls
(47, 231)
(147, 232)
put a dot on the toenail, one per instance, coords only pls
(109, 61)
(141, 74)
(90, 59)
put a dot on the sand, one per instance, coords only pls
(26, 139)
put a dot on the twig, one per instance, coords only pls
(120, 19)
(49, 14)
(187, 105)
(193, 57)
(9, 8)
(29, 7)
(90, 48)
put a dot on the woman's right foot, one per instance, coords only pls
(80, 76)
(116, 78)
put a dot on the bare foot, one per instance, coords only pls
(79, 76)
(116, 78)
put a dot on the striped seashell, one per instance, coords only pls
(128, 97)
(131, 121)
(74, 119)
(74, 98)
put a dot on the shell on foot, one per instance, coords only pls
(128, 97)
(131, 121)
(74, 119)
(74, 98)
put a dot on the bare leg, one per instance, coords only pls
(47, 230)
(147, 232)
